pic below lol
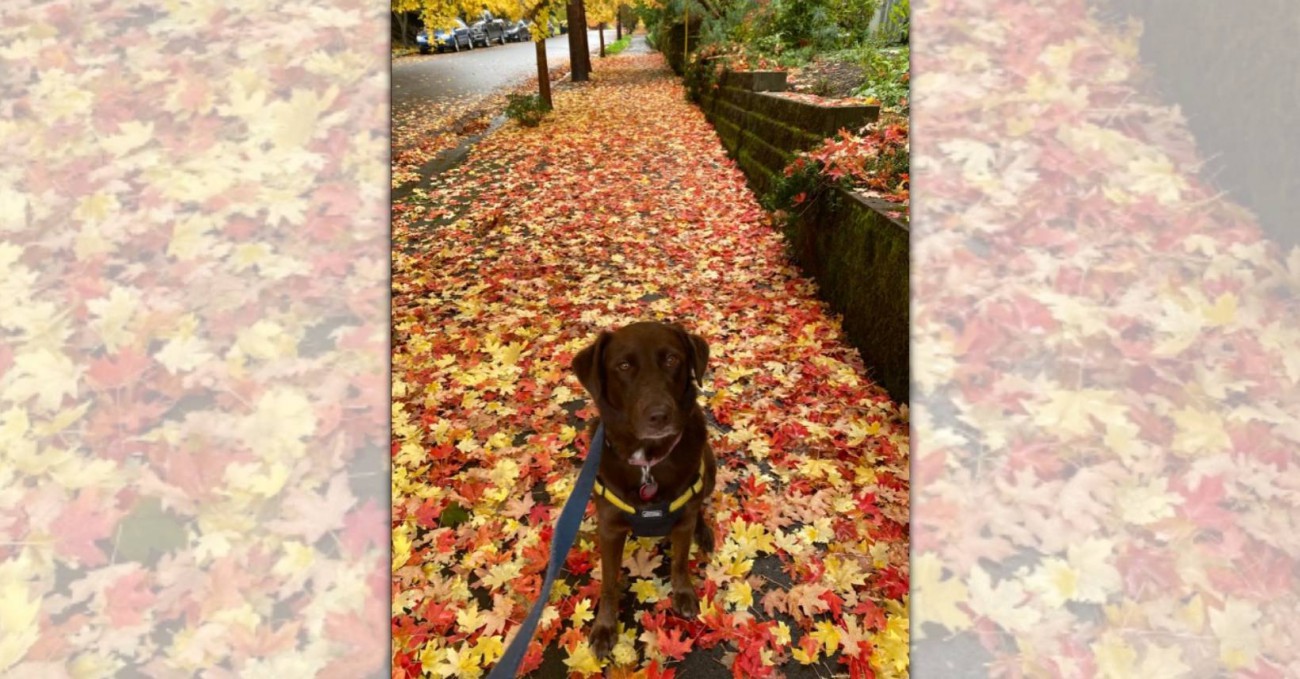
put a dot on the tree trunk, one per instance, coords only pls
(582, 22)
(402, 20)
(601, 28)
(579, 65)
(618, 23)
(543, 73)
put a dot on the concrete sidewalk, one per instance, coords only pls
(621, 206)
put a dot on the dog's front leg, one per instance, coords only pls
(604, 633)
(684, 598)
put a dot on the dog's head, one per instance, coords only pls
(643, 376)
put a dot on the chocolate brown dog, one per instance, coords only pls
(657, 467)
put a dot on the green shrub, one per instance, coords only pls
(786, 33)
(528, 109)
(806, 24)
(886, 73)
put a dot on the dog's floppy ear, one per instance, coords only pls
(697, 352)
(589, 365)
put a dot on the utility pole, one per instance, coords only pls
(686, 35)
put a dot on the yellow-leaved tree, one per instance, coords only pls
(541, 15)
(602, 12)
(442, 14)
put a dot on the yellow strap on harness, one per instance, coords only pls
(685, 497)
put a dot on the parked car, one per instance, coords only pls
(455, 38)
(487, 30)
(519, 32)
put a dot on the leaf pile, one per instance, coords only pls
(875, 162)
(193, 261)
(1107, 371)
(621, 206)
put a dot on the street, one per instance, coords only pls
(433, 78)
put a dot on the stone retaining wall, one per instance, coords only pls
(855, 248)
(762, 129)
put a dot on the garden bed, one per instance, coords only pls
(764, 129)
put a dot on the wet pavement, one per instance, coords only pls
(439, 77)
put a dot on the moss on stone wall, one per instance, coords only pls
(859, 257)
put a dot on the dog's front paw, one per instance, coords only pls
(686, 603)
(603, 638)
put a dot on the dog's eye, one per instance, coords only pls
(625, 366)
(671, 361)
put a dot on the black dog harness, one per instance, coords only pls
(654, 521)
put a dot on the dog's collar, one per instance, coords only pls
(673, 507)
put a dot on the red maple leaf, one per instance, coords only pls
(127, 599)
(111, 372)
(834, 600)
(85, 520)
(363, 527)
(672, 644)
(653, 671)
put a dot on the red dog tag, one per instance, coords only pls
(648, 490)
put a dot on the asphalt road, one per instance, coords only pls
(438, 77)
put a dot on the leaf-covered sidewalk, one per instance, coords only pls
(622, 206)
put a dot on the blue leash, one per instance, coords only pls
(566, 531)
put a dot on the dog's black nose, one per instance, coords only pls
(657, 416)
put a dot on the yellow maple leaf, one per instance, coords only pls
(782, 634)
(1237, 627)
(501, 574)
(401, 546)
(429, 656)
(488, 649)
(648, 590)
(458, 664)
(844, 574)
(1114, 656)
(804, 657)
(828, 634)
(1223, 311)
(625, 650)
(858, 432)
(1003, 603)
(18, 617)
(1055, 581)
(890, 654)
(582, 660)
(750, 538)
(1199, 431)
(581, 613)
(1156, 175)
(1071, 411)
(737, 568)
(740, 594)
(567, 434)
